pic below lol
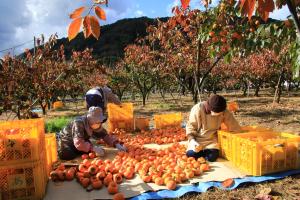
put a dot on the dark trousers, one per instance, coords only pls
(209, 154)
(67, 151)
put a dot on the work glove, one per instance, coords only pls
(121, 147)
(193, 144)
(98, 150)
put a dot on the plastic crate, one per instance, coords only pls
(168, 120)
(51, 151)
(141, 123)
(21, 141)
(265, 152)
(120, 117)
(22, 181)
(58, 104)
(225, 139)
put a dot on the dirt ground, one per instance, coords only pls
(259, 111)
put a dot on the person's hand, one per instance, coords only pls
(193, 144)
(121, 147)
(98, 150)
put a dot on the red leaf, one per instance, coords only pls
(264, 8)
(100, 13)
(87, 31)
(247, 7)
(77, 13)
(95, 27)
(74, 28)
(185, 4)
(228, 183)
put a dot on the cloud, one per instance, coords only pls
(139, 13)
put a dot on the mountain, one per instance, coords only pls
(113, 38)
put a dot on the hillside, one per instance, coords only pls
(113, 38)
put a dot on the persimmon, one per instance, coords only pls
(84, 156)
(86, 162)
(119, 196)
(97, 184)
(204, 167)
(159, 181)
(92, 170)
(146, 178)
(86, 174)
(189, 173)
(197, 171)
(107, 180)
(171, 185)
(201, 160)
(85, 182)
(79, 175)
(112, 188)
(101, 175)
(92, 155)
(70, 175)
(54, 176)
(128, 174)
(228, 183)
(98, 162)
(60, 175)
(61, 167)
(117, 178)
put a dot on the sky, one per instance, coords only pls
(21, 20)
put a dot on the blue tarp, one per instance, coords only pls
(203, 187)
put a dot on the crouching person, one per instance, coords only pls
(204, 121)
(74, 139)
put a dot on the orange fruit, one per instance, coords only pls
(119, 196)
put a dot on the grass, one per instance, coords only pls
(56, 124)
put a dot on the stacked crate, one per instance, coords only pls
(22, 159)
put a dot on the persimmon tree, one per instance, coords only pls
(119, 78)
(14, 79)
(141, 64)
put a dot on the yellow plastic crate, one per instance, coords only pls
(51, 151)
(225, 140)
(120, 117)
(22, 181)
(22, 141)
(141, 123)
(58, 104)
(168, 120)
(265, 152)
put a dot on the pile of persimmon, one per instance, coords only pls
(169, 167)
(155, 136)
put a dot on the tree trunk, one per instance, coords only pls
(195, 96)
(144, 99)
(257, 88)
(43, 106)
(245, 88)
(18, 112)
(278, 87)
